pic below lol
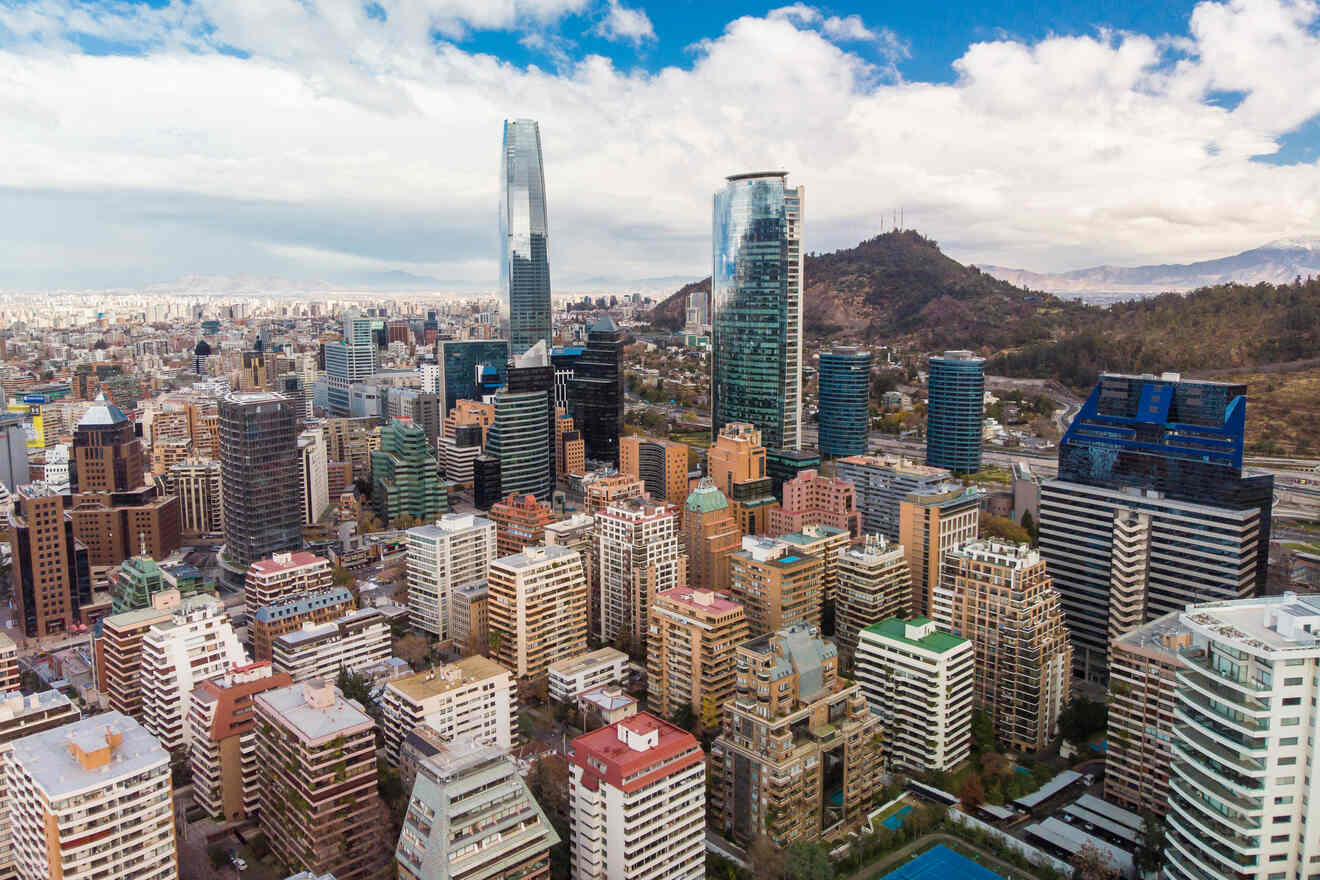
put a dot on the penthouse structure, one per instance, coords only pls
(875, 584)
(637, 800)
(107, 766)
(690, 653)
(471, 815)
(223, 757)
(289, 614)
(318, 803)
(775, 585)
(322, 650)
(1000, 596)
(918, 680)
(197, 642)
(449, 555)
(812, 499)
(285, 574)
(472, 697)
(882, 482)
(1143, 683)
(537, 609)
(798, 757)
(638, 556)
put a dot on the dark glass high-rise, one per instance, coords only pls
(595, 393)
(524, 235)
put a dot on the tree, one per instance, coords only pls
(1081, 718)
(341, 577)
(354, 686)
(805, 860)
(684, 718)
(983, 732)
(414, 649)
(1149, 856)
(1090, 863)
(1029, 524)
(1003, 528)
(971, 792)
(765, 859)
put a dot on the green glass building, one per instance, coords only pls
(404, 478)
(756, 306)
(520, 439)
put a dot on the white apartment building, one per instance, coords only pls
(284, 574)
(315, 459)
(91, 799)
(23, 715)
(570, 677)
(918, 680)
(637, 556)
(537, 609)
(473, 697)
(453, 552)
(321, 650)
(196, 643)
(1242, 792)
(637, 802)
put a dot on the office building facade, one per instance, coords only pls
(844, 420)
(349, 361)
(955, 401)
(50, 571)
(737, 465)
(661, 465)
(524, 238)
(520, 440)
(756, 307)
(405, 479)
(595, 392)
(260, 472)
(470, 369)
(811, 498)
(1151, 510)
(881, 483)
(931, 523)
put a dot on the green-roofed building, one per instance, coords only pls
(918, 680)
(405, 481)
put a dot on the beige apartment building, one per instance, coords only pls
(874, 584)
(775, 585)
(690, 652)
(799, 757)
(282, 575)
(1001, 598)
(537, 610)
(931, 522)
(472, 697)
(710, 535)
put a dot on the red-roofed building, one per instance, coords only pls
(637, 802)
(284, 574)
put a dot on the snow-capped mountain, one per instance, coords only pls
(1278, 262)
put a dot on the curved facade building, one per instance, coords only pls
(955, 402)
(845, 398)
(756, 308)
(524, 232)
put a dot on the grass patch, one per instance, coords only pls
(894, 808)
(691, 438)
(991, 474)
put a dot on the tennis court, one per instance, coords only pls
(943, 863)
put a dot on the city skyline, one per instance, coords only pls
(977, 136)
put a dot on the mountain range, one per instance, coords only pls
(1278, 262)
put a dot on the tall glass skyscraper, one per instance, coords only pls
(845, 401)
(524, 232)
(756, 308)
(595, 393)
(954, 405)
(470, 369)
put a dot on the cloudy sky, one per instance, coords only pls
(337, 139)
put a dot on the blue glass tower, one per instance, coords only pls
(955, 401)
(845, 401)
(524, 234)
(756, 305)
(470, 369)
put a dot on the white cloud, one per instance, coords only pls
(344, 140)
(626, 25)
